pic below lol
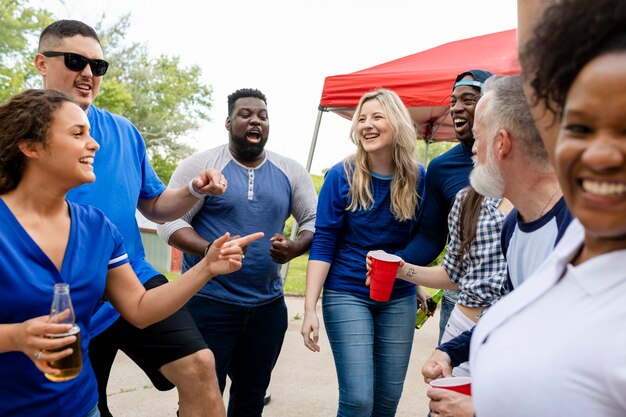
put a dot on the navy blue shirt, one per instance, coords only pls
(446, 176)
(343, 238)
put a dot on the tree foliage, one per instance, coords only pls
(20, 26)
(163, 98)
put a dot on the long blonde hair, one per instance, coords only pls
(403, 194)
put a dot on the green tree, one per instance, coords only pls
(434, 150)
(20, 26)
(163, 98)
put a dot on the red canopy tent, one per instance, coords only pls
(422, 80)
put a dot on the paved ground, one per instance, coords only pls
(303, 383)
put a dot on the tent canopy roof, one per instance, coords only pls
(424, 80)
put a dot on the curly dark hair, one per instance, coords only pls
(569, 35)
(243, 93)
(24, 117)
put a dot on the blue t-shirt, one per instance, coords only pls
(123, 176)
(343, 238)
(446, 176)
(258, 199)
(27, 278)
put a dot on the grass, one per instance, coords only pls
(296, 276)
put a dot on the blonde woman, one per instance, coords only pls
(369, 201)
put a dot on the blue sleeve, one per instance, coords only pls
(563, 218)
(432, 232)
(421, 190)
(151, 184)
(119, 256)
(458, 348)
(331, 206)
(508, 227)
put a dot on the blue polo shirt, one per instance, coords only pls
(28, 277)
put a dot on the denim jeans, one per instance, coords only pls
(94, 412)
(246, 342)
(444, 314)
(371, 343)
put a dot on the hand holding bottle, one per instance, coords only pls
(29, 338)
(431, 304)
(68, 366)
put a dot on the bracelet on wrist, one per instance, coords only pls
(193, 191)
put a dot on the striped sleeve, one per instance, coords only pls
(118, 255)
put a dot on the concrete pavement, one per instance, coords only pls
(303, 383)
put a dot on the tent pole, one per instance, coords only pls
(426, 152)
(316, 131)
(294, 229)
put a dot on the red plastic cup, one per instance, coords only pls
(383, 274)
(462, 384)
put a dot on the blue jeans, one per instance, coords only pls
(246, 342)
(444, 314)
(371, 343)
(94, 412)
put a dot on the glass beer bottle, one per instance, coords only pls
(70, 366)
(431, 304)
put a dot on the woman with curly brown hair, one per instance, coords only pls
(555, 346)
(46, 150)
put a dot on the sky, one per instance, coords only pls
(286, 48)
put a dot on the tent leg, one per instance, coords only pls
(294, 229)
(316, 131)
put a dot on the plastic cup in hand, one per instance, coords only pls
(383, 274)
(462, 384)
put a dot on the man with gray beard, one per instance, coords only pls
(510, 161)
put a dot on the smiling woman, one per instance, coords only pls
(591, 150)
(575, 59)
(46, 150)
(368, 201)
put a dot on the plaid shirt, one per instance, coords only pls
(481, 272)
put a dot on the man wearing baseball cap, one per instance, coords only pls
(447, 174)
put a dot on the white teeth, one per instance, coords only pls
(458, 120)
(87, 160)
(371, 136)
(604, 188)
(83, 87)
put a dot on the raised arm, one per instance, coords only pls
(142, 308)
(174, 202)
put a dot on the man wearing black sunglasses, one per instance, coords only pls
(171, 352)
(76, 62)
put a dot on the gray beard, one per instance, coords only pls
(487, 179)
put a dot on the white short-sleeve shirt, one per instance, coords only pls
(556, 347)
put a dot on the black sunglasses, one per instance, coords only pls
(76, 62)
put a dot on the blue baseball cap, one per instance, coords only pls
(479, 78)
